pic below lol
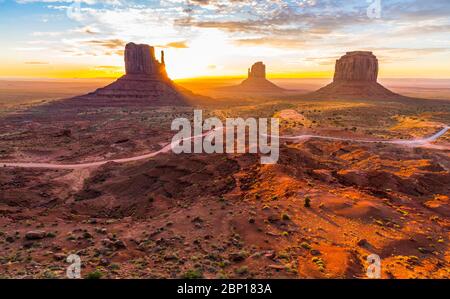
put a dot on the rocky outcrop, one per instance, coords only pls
(356, 66)
(145, 82)
(355, 77)
(258, 70)
(140, 60)
(256, 82)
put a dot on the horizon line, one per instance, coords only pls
(226, 77)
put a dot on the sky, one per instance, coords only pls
(201, 38)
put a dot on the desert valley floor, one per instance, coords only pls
(223, 215)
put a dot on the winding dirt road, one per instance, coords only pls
(412, 143)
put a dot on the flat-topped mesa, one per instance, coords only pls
(258, 70)
(141, 60)
(356, 66)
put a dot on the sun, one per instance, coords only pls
(201, 58)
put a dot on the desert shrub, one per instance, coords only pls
(193, 274)
(305, 246)
(307, 202)
(97, 274)
(285, 216)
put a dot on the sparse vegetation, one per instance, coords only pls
(307, 202)
(96, 274)
(305, 245)
(242, 270)
(193, 274)
(285, 217)
(319, 263)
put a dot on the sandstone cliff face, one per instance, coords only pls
(140, 60)
(356, 66)
(258, 70)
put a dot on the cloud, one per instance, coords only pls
(271, 41)
(47, 33)
(91, 47)
(88, 2)
(413, 51)
(200, 2)
(176, 45)
(112, 44)
(36, 62)
(30, 49)
(87, 30)
(280, 20)
(108, 68)
(423, 29)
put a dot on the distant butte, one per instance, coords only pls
(355, 76)
(256, 81)
(145, 82)
(258, 70)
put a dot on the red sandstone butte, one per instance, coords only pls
(355, 76)
(256, 82)
(145, 82)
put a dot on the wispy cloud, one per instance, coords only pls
(36, 62)
(106, 43)
(177, 45)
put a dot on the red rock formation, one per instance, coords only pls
(145, 82)
(357, 66)
(258, 70)
(140, 60)
(256, 82)
(355, 76)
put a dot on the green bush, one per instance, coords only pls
(193, 274)
(95, 275)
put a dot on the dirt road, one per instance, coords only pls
(414, 143)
